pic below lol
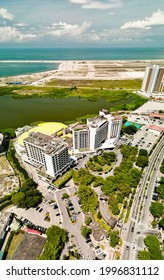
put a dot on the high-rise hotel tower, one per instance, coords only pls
(153, 79)
(48, 152)
(99, 132)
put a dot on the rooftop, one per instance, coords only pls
(156, 115)
(47, 143)
(155, 127)
(47, 128)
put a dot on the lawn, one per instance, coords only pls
(14, 244)
(110, 84)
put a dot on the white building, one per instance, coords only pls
(99, 132)
(48, 152)
(153, 79)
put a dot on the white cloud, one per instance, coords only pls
(21, 24)
(95, 37)
(8, 34)
(91, 4)
(157, 18)
(73, 30)
(5, 14)
(121, 39)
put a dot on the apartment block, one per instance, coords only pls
(153, 79)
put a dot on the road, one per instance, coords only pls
(74, 228)
(138, 224)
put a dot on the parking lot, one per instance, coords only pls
(37, 215)
(143, 138)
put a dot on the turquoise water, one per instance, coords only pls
(137, 125)
(14, 68)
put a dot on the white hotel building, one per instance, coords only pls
(48, 152)
(100, 132)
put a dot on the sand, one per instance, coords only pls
(87, 70)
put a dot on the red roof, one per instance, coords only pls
(155, 127)
(33, 231)
(156, 115)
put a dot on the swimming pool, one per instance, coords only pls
(137, 125)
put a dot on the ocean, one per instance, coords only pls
(26, 61)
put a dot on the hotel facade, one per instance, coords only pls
(99, 132)
(48, 152)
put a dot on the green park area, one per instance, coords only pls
(102, 163)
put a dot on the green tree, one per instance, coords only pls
(88, 198)
(85, 231)
(156, 209)
(161, 223)
(56, 238)
(114, 238)
(162, 167)
(143, 152)
(153, 246)
(18, 199)
(98, 181)
(88, 220)
(115, 210)
(144, 255)
(131, 129)
(65, 196)
(142, 161)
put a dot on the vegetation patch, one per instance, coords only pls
(102, 162)
(13, 242)
(112, 84)
(62, 180)
(120, 98)
(126, 177)
(56, 238)
(153, 252)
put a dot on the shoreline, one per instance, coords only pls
(83, 70)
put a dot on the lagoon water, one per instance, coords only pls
(14, 68)
(19, 112)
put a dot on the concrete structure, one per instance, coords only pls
(153, 79)
(156, 129)
(48, 152)
(156, 116)
(99, 132)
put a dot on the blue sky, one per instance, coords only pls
(81, 23)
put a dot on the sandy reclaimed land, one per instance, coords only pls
(88, 70)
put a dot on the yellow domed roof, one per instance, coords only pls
(48, 128)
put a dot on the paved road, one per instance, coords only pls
(132, 239)
(74, 229)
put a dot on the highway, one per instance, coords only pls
(139, 218)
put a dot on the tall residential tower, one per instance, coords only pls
(153, 79)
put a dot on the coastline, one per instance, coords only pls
(84, 70)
